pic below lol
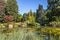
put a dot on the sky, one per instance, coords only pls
(26, 5)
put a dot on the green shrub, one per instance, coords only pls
(55, 24)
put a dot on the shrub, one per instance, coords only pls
(1, 19)
(55, 24)
(37, 25)
(8, 18)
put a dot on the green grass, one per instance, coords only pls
(21, 34)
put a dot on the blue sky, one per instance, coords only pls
(26, 5)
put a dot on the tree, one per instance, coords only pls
(40, 14)
(52, 4)
(53, 11)
(11, 8)
(31, 18)
(2, 6)
(19, 18)
(25, 17)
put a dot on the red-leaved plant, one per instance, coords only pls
(8, 18)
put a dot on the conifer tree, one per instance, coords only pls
(39, 14)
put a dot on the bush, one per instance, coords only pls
(37, 25)
(55, 24)
(1, 19)
(8, 18)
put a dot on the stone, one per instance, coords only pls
(10, 26)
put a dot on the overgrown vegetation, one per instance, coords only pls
(43, 23)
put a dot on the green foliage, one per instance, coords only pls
(37, 25)
(57, 12)
(11, 8)
(55, 24)
(40, 15)
(2, 6)
(18, 18)
(53, 11)
(52, 4)
(31, 17)
(1, 19)
(21, 34)
(25, 17)
(49, 15)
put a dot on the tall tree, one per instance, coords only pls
(31, 17)
(52, 4)
(39, 14)
(2, 6)
(53, 10)
(11, 8)
(25, 17)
